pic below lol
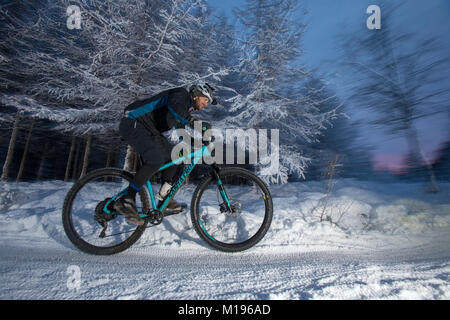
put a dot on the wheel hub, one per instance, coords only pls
(236, 209)
(100, 215)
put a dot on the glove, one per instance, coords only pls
(180, 154)
(205, 126)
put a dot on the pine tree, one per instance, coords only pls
(273, 95)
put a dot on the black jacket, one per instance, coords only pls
(163, 111)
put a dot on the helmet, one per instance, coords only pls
(204, 90)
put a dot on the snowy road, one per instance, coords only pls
(149, 273)
(299, 258)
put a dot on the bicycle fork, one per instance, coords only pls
(222, 190)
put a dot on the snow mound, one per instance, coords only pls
(305, 215)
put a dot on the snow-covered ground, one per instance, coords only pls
(377, 241)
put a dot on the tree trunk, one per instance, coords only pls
(75, 165)
(70, 159)
(108, 162)
(129, 159)
(415, 147)
(12, 144)
(42, 165)
(87, 152)
(25, 153)
(115, 159)
(135, 161)
(108, 159)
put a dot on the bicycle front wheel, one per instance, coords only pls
(84, 217)
(240, 221)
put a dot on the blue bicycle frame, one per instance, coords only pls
(195, 157)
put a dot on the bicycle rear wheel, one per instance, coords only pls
(84, 216)
(249, 218)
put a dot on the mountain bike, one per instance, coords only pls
(231, 208)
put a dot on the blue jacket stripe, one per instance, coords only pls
(176, 115)
(146, 108)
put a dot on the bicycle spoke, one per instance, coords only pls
(86, 222)
(233, 213)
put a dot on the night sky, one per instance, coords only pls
(328, 18)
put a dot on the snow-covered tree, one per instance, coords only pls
(83, 78)
(339, 141)
(123, 51)
(273, 96)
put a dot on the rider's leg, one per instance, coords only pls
(127, 204)
(154, 149)
(147, 142)
(145, 172)
(150, 144)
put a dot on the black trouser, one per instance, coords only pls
(152, 146)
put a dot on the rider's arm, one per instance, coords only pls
(179, 101)
(178, 114)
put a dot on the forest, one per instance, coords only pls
(64, 85)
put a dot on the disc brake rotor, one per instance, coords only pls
(236, 209)
(100, 215)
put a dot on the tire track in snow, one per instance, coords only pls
(204, 274)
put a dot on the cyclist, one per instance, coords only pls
(141, 127)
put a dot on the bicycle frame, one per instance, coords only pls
(195, 157)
